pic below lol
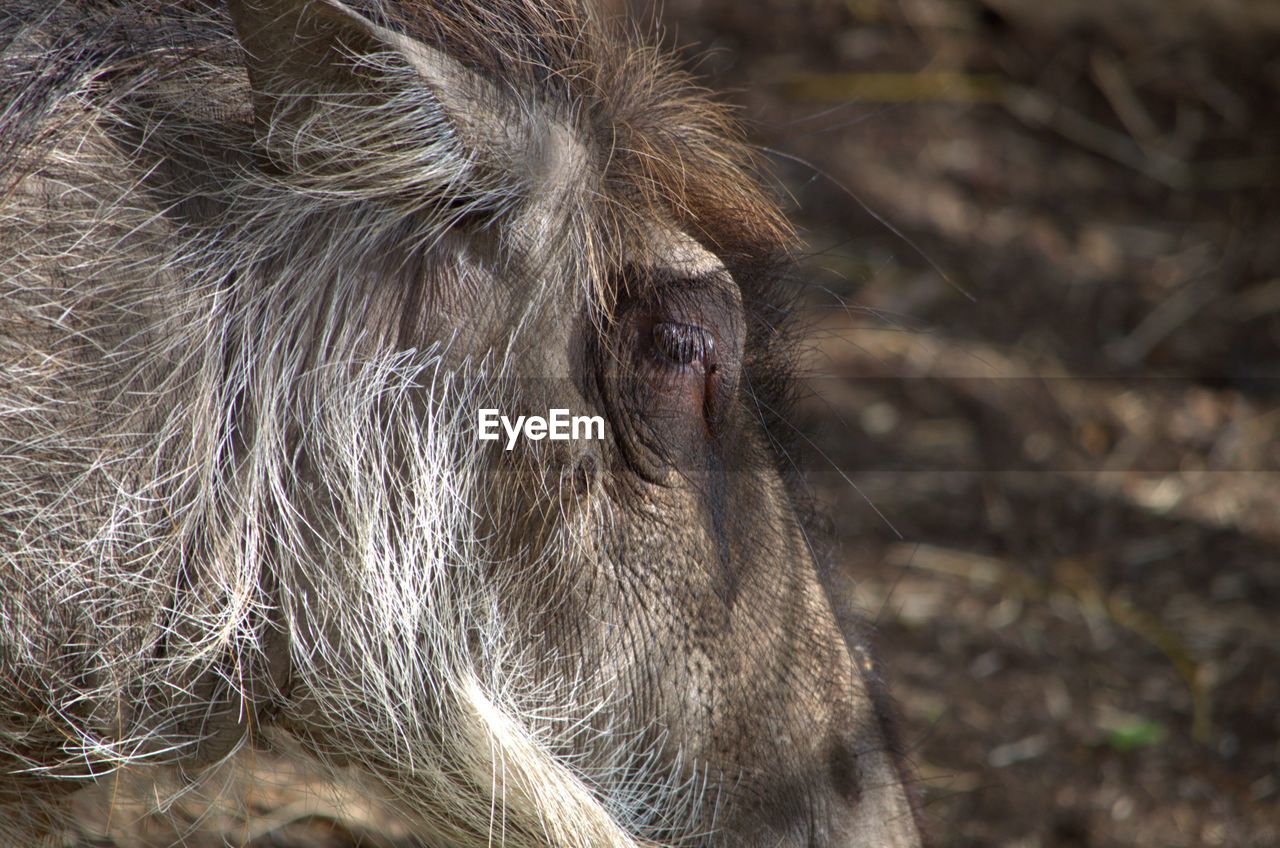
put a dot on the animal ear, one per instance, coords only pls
(299, 52)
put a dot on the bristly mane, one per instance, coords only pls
(189, 410)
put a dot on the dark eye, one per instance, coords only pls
(669, 373)
(683, 344)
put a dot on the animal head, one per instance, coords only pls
(254, 462)
(629, 637)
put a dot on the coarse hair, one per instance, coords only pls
(234, 482)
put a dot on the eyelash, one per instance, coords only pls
(681, 345)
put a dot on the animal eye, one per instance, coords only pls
(669, 374)
(682, 344)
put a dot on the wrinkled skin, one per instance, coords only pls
(658, 583)
(708, 595)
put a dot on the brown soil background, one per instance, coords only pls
(1043, 343)
(1054, 391)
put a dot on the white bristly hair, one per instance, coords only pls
(225, 490)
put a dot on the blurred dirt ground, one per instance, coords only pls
(1045, 373)
(1043, 344)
